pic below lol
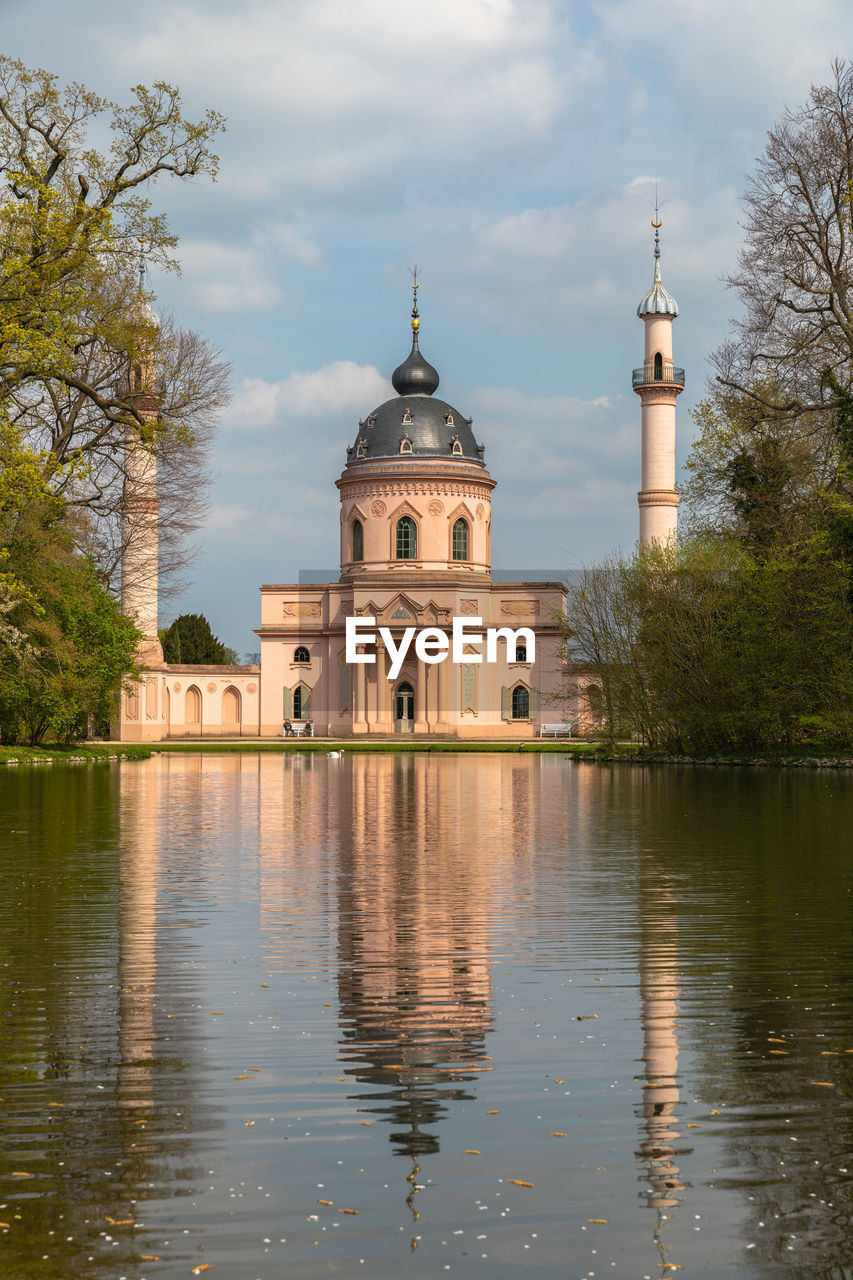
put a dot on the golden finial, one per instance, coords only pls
(415, 273)
(657, 224)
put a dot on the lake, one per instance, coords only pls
(476, 1015)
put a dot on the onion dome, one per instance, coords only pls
(657, 301)
(415, 424)
(415, 376)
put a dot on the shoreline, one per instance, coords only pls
(582, 752)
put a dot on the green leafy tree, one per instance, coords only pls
(73, 217)
(190, 640)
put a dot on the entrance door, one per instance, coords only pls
(404, 708)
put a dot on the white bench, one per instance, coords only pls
(556, 730)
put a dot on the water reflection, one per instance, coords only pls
(413, 944)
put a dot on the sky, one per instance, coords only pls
(510, 148)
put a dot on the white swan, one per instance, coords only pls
(335, 755)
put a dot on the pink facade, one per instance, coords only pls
(416, 510)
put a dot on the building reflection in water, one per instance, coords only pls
(418, 854)
(659, 994)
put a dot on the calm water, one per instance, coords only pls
(291, 1016)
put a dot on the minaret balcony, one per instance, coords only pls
(657, 373)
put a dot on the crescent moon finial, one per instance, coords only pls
(657, 224)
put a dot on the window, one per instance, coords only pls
(521, 653)
(301, 703)
(407, 539)
(520, 703)
(357, 540)
(457, 447)
(405, 445)
(301, 654)
(460, 540)
(658, 367)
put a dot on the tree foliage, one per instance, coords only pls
(73, 220)
(190, 639)
(64, 646)
(709, 647)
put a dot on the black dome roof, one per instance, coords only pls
(415, 424)
(432, 427)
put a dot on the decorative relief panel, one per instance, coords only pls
(519, 608)
(468, 606)
(177, 686)
(211, 688)
(481, 510)
(378, 509)
(251, 688)
(436, 508)
(395, 488)
(468, 677)
(301, 609)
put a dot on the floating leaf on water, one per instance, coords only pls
(775, 1040)
(241, 1077)
(556, 1081)
(472, 1151)
(694, 1126)
(354, 1212)
(783, 1053)
(366, 1123)
(217, 1013)
(414, 1245)
(121, 1222)
(555, 1133)
(603, 1221)
(824, 1084)
(202, 1266)
(493, 1113)
(519, 1182)
(250, 1124)
(327, 1202)
(829, 1053)
(150, 1257)
(7, 1225)
(17, 1173)
(341, 1079)
(715, 1113)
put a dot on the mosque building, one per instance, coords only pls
(415, 552)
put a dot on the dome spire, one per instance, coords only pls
(415, 376)
(657, 302)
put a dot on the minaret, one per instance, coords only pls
(658, 384)
(140, 508)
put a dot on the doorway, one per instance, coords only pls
(404, 708)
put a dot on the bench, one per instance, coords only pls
(298, 729)
(556, 730)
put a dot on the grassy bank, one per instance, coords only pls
(79, 754)
(352, 746)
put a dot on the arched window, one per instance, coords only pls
(521, 653)
(301, 654)
(407, 539)
(520, 703)
(658, 367)
(405, 445)
(460, 540)
(192, 707)
(456, 447)
(357, 540)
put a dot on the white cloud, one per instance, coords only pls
(335, 392)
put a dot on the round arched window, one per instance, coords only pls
(460, 540)
(407, 539)
(301, 654)
(357, 540)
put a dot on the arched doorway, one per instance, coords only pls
(404, 708)
(192, 711)
(231, 710)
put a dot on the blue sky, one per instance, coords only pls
(510, 147)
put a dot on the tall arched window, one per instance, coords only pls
(301, 654)
(460, 540)
(520, 703)
(407, 539)
(357, 540)
(658, 367)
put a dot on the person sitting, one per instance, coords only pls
(308, 731)
(288, 730)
